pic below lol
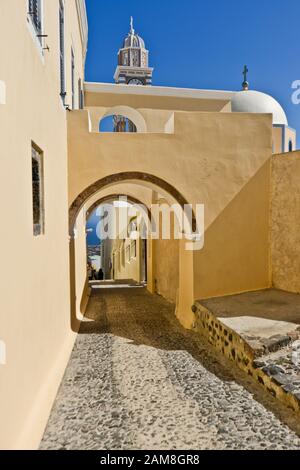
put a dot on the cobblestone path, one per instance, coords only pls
(137, 380)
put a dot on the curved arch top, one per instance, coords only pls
(135, 116)
(116, 197)
(81, 199)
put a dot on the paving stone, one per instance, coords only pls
(289, 388)
(276, 342)
(137, 389)
(258, 364)
(281, 379)
(273, 369)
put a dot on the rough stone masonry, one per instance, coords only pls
(138, 380)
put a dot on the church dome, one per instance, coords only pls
(133, 39)
(250, 101)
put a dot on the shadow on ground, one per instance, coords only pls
(134, 314)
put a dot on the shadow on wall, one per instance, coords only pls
(77, 309)
(235, 257)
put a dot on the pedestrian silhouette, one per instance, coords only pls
(100, 275)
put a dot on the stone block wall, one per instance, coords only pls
(235, 348)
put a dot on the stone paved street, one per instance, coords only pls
(137, 380)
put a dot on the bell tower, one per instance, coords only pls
(133, 61)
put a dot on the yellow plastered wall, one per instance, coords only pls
(290, 136)
(211, 159)
(80, 252)
(126, 252)
(277, 140)
(35, 307)
(167, 267)
(235, 257)
(285, 216)
(127, 266)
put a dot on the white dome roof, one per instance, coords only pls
(134, 40)
(250, 101)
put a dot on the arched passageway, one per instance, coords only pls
(110, 180)
(115, 197)
(167, 264)
(121, 255)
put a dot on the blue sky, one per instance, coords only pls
(204, 44)
(92, 238)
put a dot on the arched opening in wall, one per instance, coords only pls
(122, 119)
(145, 180)
(117, 240)
(163, 271)
(291, 147)
(116, 123)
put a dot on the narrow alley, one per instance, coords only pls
(138, 380)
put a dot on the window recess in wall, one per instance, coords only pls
(37, 164)
(62, 51)
(35, 15)
(80, 95)
(73, 77)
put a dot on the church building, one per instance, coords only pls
(232, 152)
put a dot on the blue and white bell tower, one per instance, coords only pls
(133, 61)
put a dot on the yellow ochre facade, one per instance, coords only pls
(208, 147)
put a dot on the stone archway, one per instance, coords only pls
(83, 197)
(146, 222)
(113, 197)
(185, 296)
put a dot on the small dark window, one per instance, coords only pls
(37, 190)
(291, 146)
(35, 13)
(62, 51)
(73, 78)
(80, 95)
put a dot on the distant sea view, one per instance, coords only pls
(93, 242)
(92, 238)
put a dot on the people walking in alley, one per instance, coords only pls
(100, 275)
(89, 272)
